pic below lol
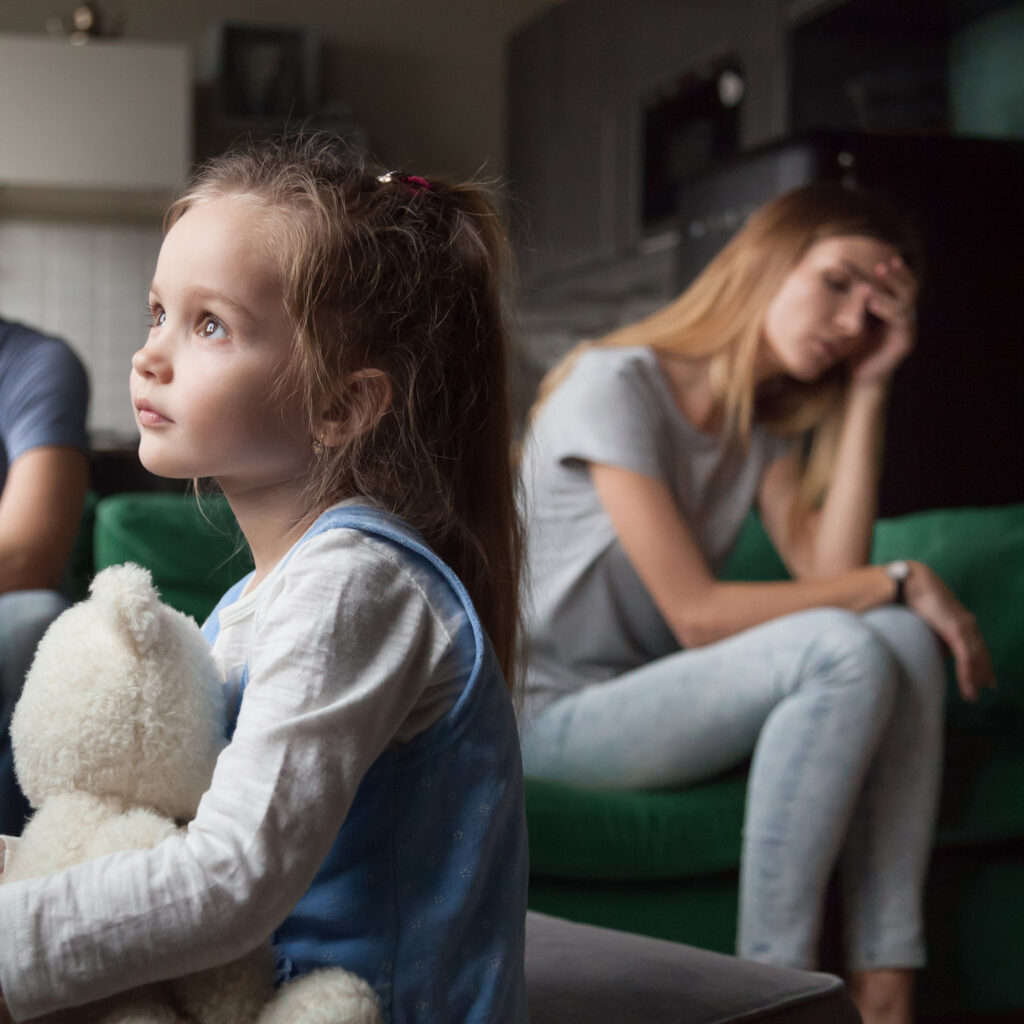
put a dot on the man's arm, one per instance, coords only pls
(40, 509)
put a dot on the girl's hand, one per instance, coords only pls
(927, 595)
(891, 336)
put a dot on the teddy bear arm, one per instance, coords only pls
(233, 993)
(137, 829)
(73, 827)
(148, 1004)
(328, 996)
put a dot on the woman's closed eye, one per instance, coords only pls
(837, 283)
(872, 321)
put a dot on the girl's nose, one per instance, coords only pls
(150, 362)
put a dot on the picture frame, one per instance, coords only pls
(266, 72)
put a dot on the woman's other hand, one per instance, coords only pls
(891, 302)
(927, 595)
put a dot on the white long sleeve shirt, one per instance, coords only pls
(350, 648)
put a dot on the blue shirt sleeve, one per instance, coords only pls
(44, 393)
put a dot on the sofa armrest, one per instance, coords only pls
(192, 546)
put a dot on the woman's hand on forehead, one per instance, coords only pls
(892, 302)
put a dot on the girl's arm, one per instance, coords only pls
(326, 695)
(699, 609)
(837, 537)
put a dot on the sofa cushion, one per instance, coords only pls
(621, 835)
(579, 974)
(981, 789)
(616, 834)
(192, 546)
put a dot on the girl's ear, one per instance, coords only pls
(362, 402)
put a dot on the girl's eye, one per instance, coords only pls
(211, 327)
(156, 316)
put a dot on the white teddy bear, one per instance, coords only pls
(115, 738)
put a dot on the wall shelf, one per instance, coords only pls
(110, 121)
(103, 205)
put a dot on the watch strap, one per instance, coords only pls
(898, 572)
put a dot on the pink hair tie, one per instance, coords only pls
(414, 181)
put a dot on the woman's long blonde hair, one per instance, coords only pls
(407, 278)
(720, 317)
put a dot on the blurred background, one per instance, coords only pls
(633, 138)
(101, 123)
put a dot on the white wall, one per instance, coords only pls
(425, 79)
(87, 283)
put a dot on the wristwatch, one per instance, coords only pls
(899, 573)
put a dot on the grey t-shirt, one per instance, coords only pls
(44, 392)
(589, 617)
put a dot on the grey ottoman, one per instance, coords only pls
(579, 974)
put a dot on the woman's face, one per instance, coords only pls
(820, 314)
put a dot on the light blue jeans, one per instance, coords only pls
(843, 715)
(24, 617)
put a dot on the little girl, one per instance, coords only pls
(327, 343)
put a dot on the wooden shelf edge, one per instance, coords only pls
(52, 202)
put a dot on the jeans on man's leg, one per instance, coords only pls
(24, 618)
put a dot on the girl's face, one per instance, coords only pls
(820, 314)
(206, 385)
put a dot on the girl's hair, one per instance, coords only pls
(397, 274)
(721, 316)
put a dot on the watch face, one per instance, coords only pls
(899, 570)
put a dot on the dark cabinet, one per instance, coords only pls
(580, 80)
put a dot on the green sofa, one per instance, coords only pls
(664, 864)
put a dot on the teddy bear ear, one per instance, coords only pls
(125, 595)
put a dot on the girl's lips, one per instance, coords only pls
(148, 416)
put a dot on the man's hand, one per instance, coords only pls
(40, 508)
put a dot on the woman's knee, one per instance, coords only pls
(914, 646)
(845, 651)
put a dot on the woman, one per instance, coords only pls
(764, 384)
